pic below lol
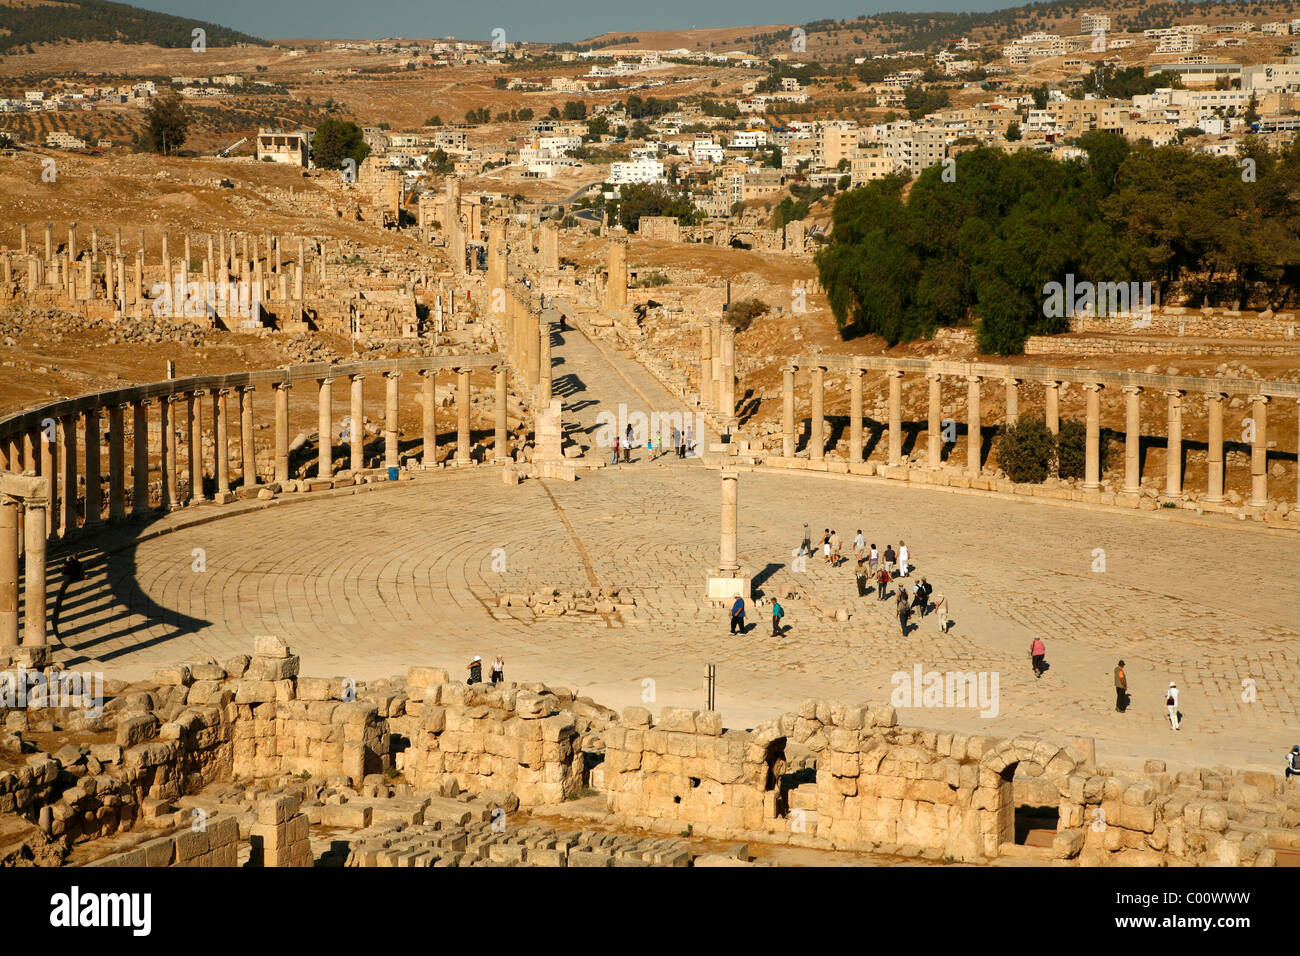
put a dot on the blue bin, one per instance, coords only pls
(392, 473)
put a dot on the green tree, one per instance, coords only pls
(166, 124)
(336, 140)
(1013, 131)
(653, 199)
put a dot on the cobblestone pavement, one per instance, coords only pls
(365, 585)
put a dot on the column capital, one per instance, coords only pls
(223, 391)
(1260, 399)
(974, 379)
(327, 380)
(1093, 386)
(1054, 383)
(794, 368)
(1220, 397)
(894, 373)
(281, 386)
(1174, 393)
(1132, 389)
(392, 373)
(934, 376)
(248, 388)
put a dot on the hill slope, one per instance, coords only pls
(24, 24)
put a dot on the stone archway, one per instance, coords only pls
(997, 773)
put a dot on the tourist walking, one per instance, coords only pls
(690, 439)
(904, 606)
(475, 670)
(903, 558)
(738, 615)
(1171, 705)
(659, 444)
(928, 589)
(1036, 653)
(1292, 764)
(630, 433)
(650, 447)
(941, 609)
(72, 573)
(882, 582)
(778, 612)
(918, 600)
(1121, 688)
(826, 546)
(890, 559)
(498, 670)
(563, 327)
(873, 560)
(836, 545)
(613, 459)
(627, 449)
(861, 576)
(859, 547)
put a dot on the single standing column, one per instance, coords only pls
(357, 435)
(68, 459)
(282, 431)
(1092, 441)
(715, 364)
(1174, 455)
(324, 440)
(428, 417)
(49, 242)
(116, 464)
(855, 415)
(48, 470)
(501, 439)
(1012, 401)
(462, 417)
(934, 427)
(140, 455)
(8, 571)
(544, 365)
(1258, 452)
(34, 534)
(727, 397)
(895, 415)
(1052, 406)
(92, 468)
(787, 411)
(973, 436)
(817, 440)
(247, 447)
(1214, 452)
(170, 497)
(706, 365)
(1133, 439)
(728, 564)
(195, 441)
(221, 430)
(391, 454)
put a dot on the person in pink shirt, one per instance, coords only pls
(1037, 651)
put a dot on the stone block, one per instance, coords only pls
(637, 718)
(270, 646)
(136, 729)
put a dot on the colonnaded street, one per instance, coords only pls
(363, 585)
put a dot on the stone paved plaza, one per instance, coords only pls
(365, 585)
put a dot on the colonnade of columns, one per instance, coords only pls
(718, 369)
(1255, 433)
(59, 455)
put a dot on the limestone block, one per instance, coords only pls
(253, 691)
(270, 646)
(272, 668)
(178, 675)
(1067, 844)
(136, 729)
(679, 719)
(1139, 794)
(883, 717)
(418, 678)
(236, 666)
(845, 742)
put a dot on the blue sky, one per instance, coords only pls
(540, 20)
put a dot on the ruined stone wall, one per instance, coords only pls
(1180, 321)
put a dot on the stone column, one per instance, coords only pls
(221, 434)
(68, 461)
(92, 468)
(715, 364)
(544, 364)
(728, 564)
(1052, 406)
(616, 284)
(817, 440)
(787, 411)
(429, 416)
(855, 415)
(116, 464)
(170, 497)
(72, 242)
(462, 417)
(324, 439)
(8, 571)
(34, 535)
(727, 367)
(1133, 440)
(1012, 401)
(194, 440)
(1174, 456)
(247, 447)
(1259, 452)
(392, 458)
(1214, 451)
(49, 242)
(140, 458)
(706, 365)
(501, 440)
(895, 415)
(282, 431)
(973, 436)
(357, 438)
(934, 427)
(1092, 442)
(49, 469)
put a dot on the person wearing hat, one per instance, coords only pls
(1293, 763)
(475, 670)
(1171, 704)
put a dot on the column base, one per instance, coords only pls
(462, 462)
(224, 497)
(30, 656)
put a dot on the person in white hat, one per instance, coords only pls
(1171, 704)
(475, 670)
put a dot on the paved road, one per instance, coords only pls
(366, 585)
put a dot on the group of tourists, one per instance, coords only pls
(683, 441)
(476, 670)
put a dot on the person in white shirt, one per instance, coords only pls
(859, 544)
(902, 560)
(1171, 705)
